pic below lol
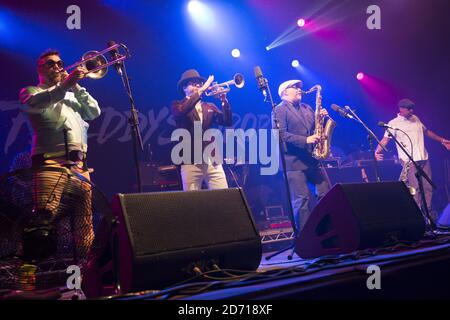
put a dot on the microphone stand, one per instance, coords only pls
(419, 175)
(370, 137)
(133, 120)
(286, 182)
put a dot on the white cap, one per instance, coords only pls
(287, 84)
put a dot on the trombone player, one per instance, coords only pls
(190, 110)
(55, 106)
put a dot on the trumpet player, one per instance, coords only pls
(191, 110)
(296, 122)
(56, 105)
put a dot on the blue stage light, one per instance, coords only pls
(194, 7)
(6, 28)
(295, 63)
(201, 14)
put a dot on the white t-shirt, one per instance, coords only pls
(198, 107)
(414, 128)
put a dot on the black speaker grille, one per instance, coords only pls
(170, 221)
(384, 211)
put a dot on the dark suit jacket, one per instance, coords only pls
(295, 127)
(184, 114)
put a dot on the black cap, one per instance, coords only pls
(406, 103)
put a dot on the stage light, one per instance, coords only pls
(194, 7)
(301, 23)
(3, 24)
(295, 63)
(235, 53)
(360, 76)
(201, 14)
(267, 48)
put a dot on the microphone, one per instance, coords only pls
(260, 80)
(341, 111)
(384, 125)
(115, 55)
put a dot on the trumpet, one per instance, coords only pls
(97, 64)
(220, 88)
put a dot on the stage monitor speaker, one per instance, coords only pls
(357, 216)
(444, 218)
(163, 236)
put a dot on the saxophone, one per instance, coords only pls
(324, 127)
(404, 177)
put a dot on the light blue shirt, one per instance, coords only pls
(52, 109)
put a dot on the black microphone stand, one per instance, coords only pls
(370, 137)
(286, 182)
(419, 175)
(133, 120)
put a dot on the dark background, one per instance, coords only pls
(408, 57)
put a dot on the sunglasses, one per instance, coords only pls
(195, 84)
(52, 63)
(295, 86)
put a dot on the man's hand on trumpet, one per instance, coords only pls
(206, 85)
(222, 96)
(72, 79)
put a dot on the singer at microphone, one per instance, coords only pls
(407, 122)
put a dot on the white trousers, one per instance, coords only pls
(193, 176)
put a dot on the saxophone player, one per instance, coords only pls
(297, 122)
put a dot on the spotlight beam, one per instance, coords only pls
(285, 33)
(294, 33)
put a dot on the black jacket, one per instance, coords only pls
(295, 127)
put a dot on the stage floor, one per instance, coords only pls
(415, 271)
(405, 271)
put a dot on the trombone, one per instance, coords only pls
(224, 87)
(97, 64)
